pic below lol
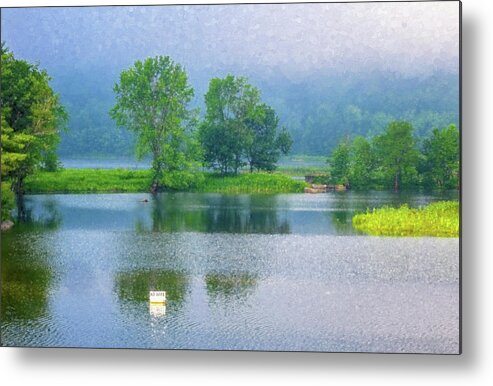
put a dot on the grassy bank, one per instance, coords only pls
(127, 181)
(440, 219)
(89, 181)
(251, 183)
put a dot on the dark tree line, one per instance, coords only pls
(397, 159)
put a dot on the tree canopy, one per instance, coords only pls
(395, 159)
(152, 101)
(441, 158)
(239, 129)
(32, 118)
(396, 150)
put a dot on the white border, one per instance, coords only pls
(474, 367)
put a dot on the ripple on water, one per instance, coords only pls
(234, 290)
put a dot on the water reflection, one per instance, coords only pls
(230, 285)
(79, 274)
(26, 281)
(329, 213)
(215, 213)
(157, 310)
(135, 285)
(41, 214)
(27, 273)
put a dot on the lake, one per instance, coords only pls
(242, 272)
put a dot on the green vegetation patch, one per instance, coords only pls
(439, 219)
(128, 181)
(251, 183)
(89, 181)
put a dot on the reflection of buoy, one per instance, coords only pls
(158, 297)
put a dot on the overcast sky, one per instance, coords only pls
(410, 38)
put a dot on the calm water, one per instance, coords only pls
(259, 272)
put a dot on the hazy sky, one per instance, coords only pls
(410, 38)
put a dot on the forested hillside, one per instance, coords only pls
(317, 111)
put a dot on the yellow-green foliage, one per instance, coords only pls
(440, 219)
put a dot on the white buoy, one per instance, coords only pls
(157, 297)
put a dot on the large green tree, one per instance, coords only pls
(224, 133)
(339, 163)
(32, 118)
(265, 143)
(441, 158)
(239, 129)
(152, 100)
(397, 154)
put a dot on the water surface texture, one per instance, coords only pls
(241, 272)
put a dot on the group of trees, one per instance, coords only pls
(152, 99)
(31, 120)
(318, 109)
(239, 129)
(397, 159)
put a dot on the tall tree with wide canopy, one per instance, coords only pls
(32, 118)
(152, 101)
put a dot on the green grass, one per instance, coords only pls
(439, 219)
(127, 181)
(89, 181)
(251, 183)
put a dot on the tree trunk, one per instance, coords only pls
(396, 182)
(19, 198)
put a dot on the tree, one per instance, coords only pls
(151, 100)
(265, 144)
(339, 163)
(397, 154)
(239, 129)
(32, 118)
(361, 163)
(441, 158)
(224, 133)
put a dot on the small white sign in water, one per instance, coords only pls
(157, 297)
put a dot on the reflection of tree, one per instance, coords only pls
(341, 221)
(26, 275)
(135, 285)
(216, 213)
(245, 214)
(230, 285)
(170, 213)
(45, 217)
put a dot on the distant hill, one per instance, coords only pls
(317, 110)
